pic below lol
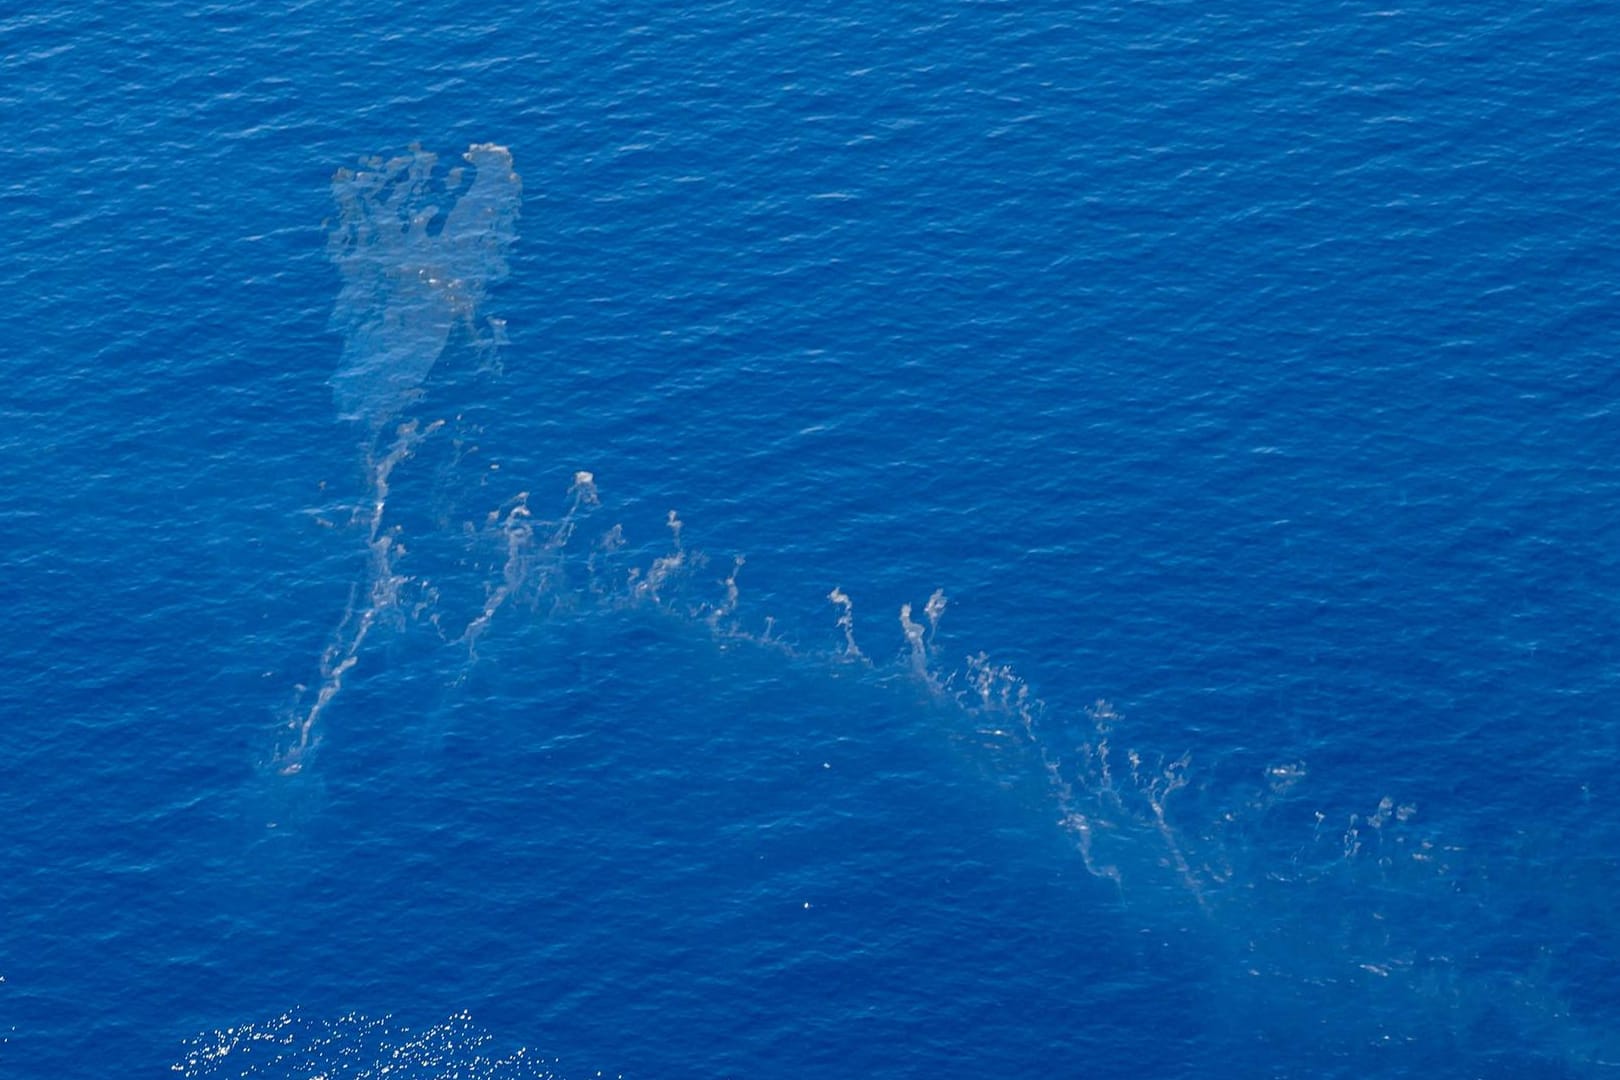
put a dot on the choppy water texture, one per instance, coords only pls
(742, 541)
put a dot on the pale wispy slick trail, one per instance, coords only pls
(417, 251)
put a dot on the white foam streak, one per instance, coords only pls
(527, 569)
(664, 566)
(381, 592)
(846, 622)
(727, 607)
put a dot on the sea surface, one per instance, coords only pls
(738, 539)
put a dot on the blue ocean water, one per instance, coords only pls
(753, 540)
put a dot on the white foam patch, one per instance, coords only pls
(357, 1047)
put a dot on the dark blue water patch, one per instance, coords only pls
(1250, 371)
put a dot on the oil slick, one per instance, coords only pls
(417, 252)
(1237, 857)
